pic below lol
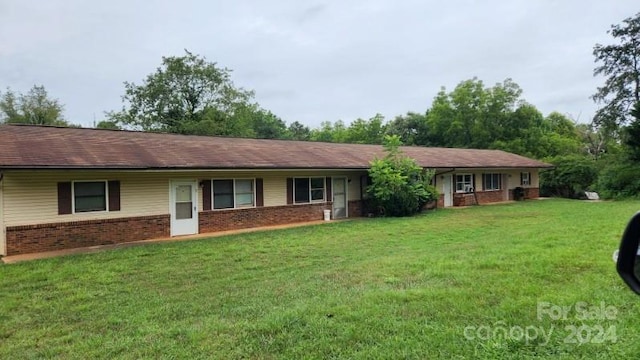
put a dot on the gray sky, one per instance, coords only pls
(311, 61)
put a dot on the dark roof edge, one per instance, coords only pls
(134, 168)
(191, 169)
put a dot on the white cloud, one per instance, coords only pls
(311, 62)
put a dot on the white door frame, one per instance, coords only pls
(183, 226)
(505, 187)
(447, 189)
(346, 196)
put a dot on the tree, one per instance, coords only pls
(370, 131)
(571, 176)
(34, 107)
(330, 132)
(472, 115)
(399, 187)
(632, 134)
(409, 128)
(186, 94)
(620, 64)
(298, 131)
(266, 125)
(104, 124)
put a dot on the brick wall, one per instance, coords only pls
(355, 208)
(529, 193)
(57, 236)
(463, 199)
(221, 220)
(487, 197)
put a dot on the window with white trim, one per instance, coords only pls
(89, 196)
(491, 182)
(233, 193)
(307, 190)
(464, 183)
(525, 179)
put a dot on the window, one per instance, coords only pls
(491, 181)
(525, 179)
(308, 189)
(89, 196)
(230, 194)
(464, 183)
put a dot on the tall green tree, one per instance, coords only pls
(410, 128)
(35, 107)
(619, 63)
(186, 94)
(370, 131)
(632, 134)
(473, 115)
(298, 131)
(330, 132)
(267, 125)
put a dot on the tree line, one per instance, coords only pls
(190, 95)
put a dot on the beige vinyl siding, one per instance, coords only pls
(514, 180)
(275, 190)
(275, 182)
(32, 197)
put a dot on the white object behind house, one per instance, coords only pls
(592, 195)
(327, 215)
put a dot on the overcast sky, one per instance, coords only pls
(311, 61)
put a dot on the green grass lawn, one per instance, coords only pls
(460, 283)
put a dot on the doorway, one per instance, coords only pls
(184, 207)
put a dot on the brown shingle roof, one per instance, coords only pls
(57, 148)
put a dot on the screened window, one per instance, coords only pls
(464, 183)
(90, 196)
(491, 181)
(229, 194)
(244, 193)
(525, 179)
(309, 189)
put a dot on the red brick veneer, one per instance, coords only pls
(74, 234)
(487, 197)
(355, 208)
(529, 193)
(221, 220)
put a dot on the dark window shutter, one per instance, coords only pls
(259, 192)
(473, 182)
(521, 179)
(114, 195)
(64, 198)
(328, 188)
(530, 182)
(206, 195)
(289, 190)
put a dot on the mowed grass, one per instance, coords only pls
(459, 283)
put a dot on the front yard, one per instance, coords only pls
(523, 280)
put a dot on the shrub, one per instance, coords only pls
(619, 180)
(399, 187)
(571, 176)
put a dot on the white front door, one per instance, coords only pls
(339, 189)
(184, 207)
(447, 190)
